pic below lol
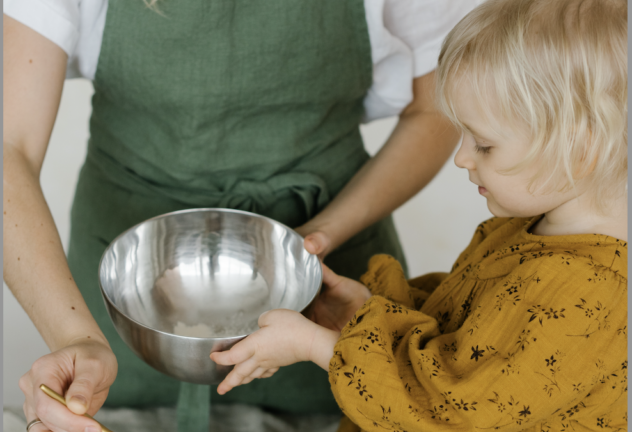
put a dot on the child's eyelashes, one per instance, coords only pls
(481, 149)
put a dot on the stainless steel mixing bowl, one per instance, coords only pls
(185, 284)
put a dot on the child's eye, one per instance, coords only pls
(481, 149)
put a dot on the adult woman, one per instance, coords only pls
(249, 105)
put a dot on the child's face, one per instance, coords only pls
(489, 147)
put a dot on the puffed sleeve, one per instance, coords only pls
(385, 277)
(535, 345)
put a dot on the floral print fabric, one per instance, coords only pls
(526, 333)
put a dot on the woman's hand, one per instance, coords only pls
(317, 241)
(84, 372)
(339, 300)
(285, 337)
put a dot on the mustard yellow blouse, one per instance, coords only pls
(525, 333)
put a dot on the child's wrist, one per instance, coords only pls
(322, 347)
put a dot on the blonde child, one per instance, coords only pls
(528, 331)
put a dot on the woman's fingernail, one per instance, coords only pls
(78, 400)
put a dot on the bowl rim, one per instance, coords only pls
(107, 299)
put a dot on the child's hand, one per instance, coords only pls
(340, 299)
(285, 337)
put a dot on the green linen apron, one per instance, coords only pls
(244, 104)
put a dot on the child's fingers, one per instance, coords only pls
(269, 373)
(237, 376)
(239, 353)
(259, 372)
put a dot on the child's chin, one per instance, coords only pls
(506, 213)
(498, 211)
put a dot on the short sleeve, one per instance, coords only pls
(56, 20)
(406, 38)
(541, 346)
(423, 25)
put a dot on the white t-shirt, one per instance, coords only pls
(405, 35)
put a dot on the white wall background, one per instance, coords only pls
(434, 226)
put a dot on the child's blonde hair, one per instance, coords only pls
(558, 66)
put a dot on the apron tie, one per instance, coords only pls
(256, 197)
(238, 194)
(248, 195)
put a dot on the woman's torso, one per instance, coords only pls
(405, 40)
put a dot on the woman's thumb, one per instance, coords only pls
(311, 245)
(316, 243)
(80, 392)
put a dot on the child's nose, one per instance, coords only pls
(463, 157)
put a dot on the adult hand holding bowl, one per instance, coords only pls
(185, 284)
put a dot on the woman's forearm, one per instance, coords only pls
(415, 152)
(35, 267)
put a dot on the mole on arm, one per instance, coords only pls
(72, 307)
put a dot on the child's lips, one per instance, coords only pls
(482, 190)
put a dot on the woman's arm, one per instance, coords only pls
(415, 152)
(35, 267)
